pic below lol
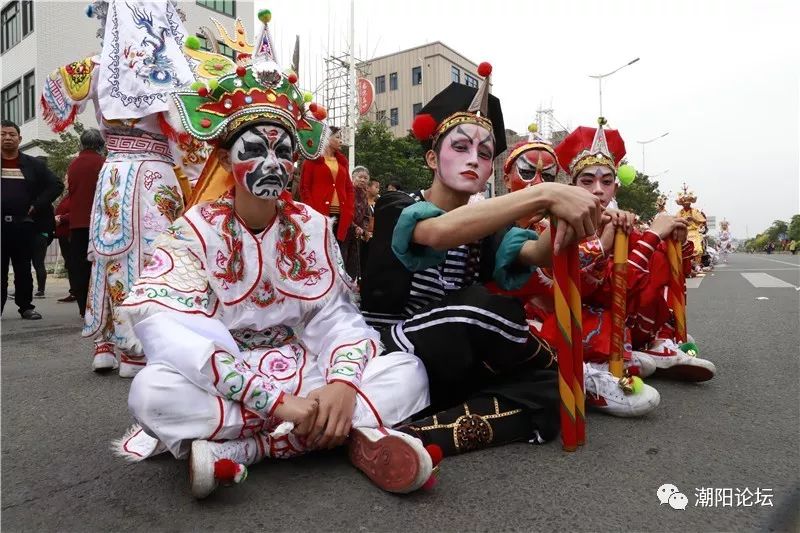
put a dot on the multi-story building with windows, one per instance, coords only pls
(405, 80)
(40, 36)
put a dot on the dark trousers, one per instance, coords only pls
(80, 269)
(63, 245)
(475, 344)
(17, 247)
(342, 244)
(40, 244)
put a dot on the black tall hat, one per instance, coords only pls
(459, 104)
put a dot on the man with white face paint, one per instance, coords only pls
(254, 346)
(491, 381)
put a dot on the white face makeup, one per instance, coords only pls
(599, 180)
(465, 158)
(261, 160)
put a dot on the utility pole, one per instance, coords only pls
(351, 91)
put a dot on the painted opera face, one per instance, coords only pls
(465, 156)
(599, 180)
(262, 160)
(532, 168)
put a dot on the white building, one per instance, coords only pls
(42, 35)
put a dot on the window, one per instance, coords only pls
(470, 81)
(380, 116)
(380, 84)
(393, 81)
(455, 74)
(227, 7)
(224, 49)
(29, 88)
(394, 120)
(27, 17)
(10, 22)
(12, 102)
(416, 76)
(416, 110)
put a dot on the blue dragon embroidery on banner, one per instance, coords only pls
(153, 66)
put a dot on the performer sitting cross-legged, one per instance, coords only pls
(491, 381)
(591, 156)
(245, 311)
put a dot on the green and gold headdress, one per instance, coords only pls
(256, 93)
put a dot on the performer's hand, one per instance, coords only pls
(301, 411)
(359, 232)
(607, 233)
(337, 401)
(621, 219)
(574, 207)
(680, 234)
(666, 226)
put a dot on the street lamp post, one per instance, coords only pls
(657, 174)
(600, 77)
(643, 143)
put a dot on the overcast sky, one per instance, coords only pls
(722, 77)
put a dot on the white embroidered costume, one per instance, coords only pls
(138, 194)
(230, 321)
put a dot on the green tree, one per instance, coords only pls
(776, 230)
(61, 152)
(794, 228)
(639, 197)
(400, 159)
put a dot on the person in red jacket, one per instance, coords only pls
(62, 234)
(82, 174)
(325, 185)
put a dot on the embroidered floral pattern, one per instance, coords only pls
(281, 365)
(169, 202)
(264, 295)
(237, 382)
(348, 361)
(149, 177)
(157, 265)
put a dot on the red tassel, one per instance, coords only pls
(167, 129)
(56, 124)
(484, 69)
(423, 126)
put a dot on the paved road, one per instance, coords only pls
(738, 431)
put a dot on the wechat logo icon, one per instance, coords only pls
(671, 495)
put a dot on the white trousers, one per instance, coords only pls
(177, 411)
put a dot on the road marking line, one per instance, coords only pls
(759, 269)
(761, 280)
(693, 283)
(779, 261)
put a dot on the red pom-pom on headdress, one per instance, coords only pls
(484, 69)
(423, 126)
